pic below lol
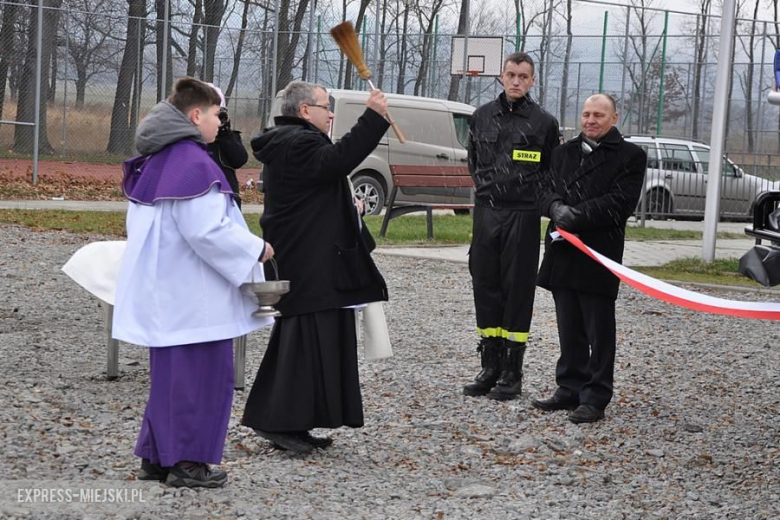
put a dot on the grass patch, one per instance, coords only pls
(412, 230)
(452, 229)
(719, 272)
(456, 229)
(639, 234)
(407, 230)
(97, 222)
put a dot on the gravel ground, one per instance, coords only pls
(693, 431)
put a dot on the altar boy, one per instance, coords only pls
(188, 251)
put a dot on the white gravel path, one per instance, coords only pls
(693, 432)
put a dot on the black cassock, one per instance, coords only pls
(309, 375)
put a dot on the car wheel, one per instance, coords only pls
(371, 192)
(659, 204)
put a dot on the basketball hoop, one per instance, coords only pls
(472, 73)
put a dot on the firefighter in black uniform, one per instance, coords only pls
(510, 145)
(595, 185)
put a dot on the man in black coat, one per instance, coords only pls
(510, 144)
(594, 184)
(309, 375)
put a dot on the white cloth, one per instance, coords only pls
(180, 275)
(95, 267)
(376, 337)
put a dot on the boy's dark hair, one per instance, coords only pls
(190, 93)
(520, 57)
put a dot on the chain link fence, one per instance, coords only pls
(103, 65)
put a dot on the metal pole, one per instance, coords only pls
(317, 62)
(433, 61)
(603, 52)
(65, 82)
(688, 112)
(719, 108)
(205, 51)
(164, 80)
(276, 49)
(660, 115)
(310, 41)
(363, 42)
(138, 72)
(625, 61)
(377, 29)
(38, 59)
(579, 78)
(759, 121)
(518, 31)
(467, 7)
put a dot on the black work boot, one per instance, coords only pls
(510, 384)
(490, 351)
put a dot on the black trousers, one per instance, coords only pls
(503, 261)
(586, 330)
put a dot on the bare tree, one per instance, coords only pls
(700, 56)
(6, 46)
(90, 46)
(746, 78)
(455, 79)
(565, 73)
(358, 24)
(639, 56)
(192, 47)
(385, 30)
(289, 35)
(213, 11)
(23, 135)
(120, 139)
(426, 15)
(163, 84)
(238, 51)
(402, 36)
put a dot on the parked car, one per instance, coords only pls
(436, 133)
(676, 181)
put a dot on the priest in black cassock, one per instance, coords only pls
(309, 375)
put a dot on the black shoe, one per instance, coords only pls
(195, 475)
(490, 352)
(316, 442)
(586, 413)
(287, 440)
(152, 471)
(510, 384)
(553, 404)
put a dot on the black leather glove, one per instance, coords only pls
(564, 216)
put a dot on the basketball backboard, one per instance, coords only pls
(484, 55)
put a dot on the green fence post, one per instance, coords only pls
(518, 31)
(659, 117)
(603, 52)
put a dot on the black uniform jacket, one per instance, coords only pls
(605, 186)
(309, 214)
(510, 145)
(229, 153)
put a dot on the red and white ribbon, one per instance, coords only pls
(676, 295)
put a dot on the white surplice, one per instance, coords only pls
(180, 275)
